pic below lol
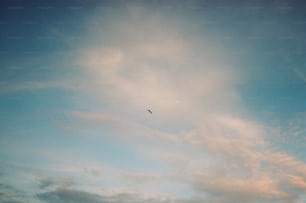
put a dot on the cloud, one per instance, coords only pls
(118, 123)
(7, 199)
(48, 182)
(64, 195)
(9, 87)
(200, 135)
(94, 118)
(139, 178)
(292, 131)
(203, 135)
(77, 196)
(244, 173)
(170, 72)
(295, 182)
(300, 74)
(9, 194)
(237, 189)
(285, 163)
(237, 164)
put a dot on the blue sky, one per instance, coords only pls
(225, 81)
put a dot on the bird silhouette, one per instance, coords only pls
(149, 111)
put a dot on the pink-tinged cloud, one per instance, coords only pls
(199, 131)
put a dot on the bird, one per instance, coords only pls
(149, 111)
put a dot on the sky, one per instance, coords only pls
(225, 81)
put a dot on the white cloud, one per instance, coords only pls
(142, 60)
(145, 60)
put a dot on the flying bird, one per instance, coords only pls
(149, 111)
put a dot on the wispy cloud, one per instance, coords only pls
(164, 71)
(9, 87)
(77, 196)
(200, 139)
(47, 182)
(9, 194)
(299, 74)
(192, 88)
